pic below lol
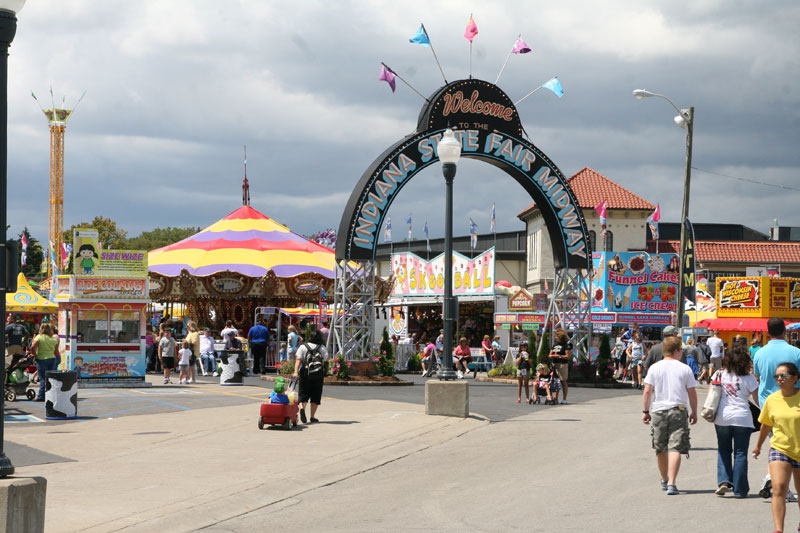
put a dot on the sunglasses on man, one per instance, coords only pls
(776, 377)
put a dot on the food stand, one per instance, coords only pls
(744, 304)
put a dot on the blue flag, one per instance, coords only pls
(473, 234)
(421, 37)
(408, 221)
(555, 86)
(493, 222)
(387, 231)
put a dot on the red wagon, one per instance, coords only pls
(278, 414)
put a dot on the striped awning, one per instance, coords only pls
(247, 242)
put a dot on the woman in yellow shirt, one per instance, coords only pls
(781, 415)
(45, 348)
(193, 338)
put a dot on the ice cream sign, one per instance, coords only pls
(634, 282)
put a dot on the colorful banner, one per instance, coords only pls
(415, 276)
(760, 296)
(739, 294)
(89, 259)
(108, 366)
(123, 263)
(110, 288)
(634, 282)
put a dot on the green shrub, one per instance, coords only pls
(544, 353)
(415, 362)
(287, 368)
(504, 371)
(386, 345)
(385, 364)
(341, 367)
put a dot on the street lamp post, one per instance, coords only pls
(8, 28)
(449, 153)
(685, 119)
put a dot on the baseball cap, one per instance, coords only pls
(670, 330)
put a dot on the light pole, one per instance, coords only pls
(8, 27)
(685, 119)
(449, 153)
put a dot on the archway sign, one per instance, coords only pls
(487, 123)
(488, 126)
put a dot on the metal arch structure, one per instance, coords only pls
(570, 309)
(353, 304)
(488, 126)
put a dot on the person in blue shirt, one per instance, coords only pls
(765, 363)
(258, 336)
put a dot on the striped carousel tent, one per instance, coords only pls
(246, 242)
(244, 261)
(26, 300)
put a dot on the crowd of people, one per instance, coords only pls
(768, 375)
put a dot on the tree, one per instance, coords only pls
(544, 353)
(159, 237)
(109, 235)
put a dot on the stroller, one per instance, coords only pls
(17, 379)
(554, 382)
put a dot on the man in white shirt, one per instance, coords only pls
(670, 385)
(717, 351)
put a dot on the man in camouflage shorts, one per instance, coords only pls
(669, 387)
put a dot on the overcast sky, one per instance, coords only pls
(176, 88)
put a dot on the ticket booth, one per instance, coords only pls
(102, 325)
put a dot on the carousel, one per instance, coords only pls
(244, 261)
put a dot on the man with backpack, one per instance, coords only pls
(309, 367)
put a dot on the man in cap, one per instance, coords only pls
(656, 353)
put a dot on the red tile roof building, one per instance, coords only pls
(755, 252)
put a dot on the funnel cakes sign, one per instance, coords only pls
(634, 282)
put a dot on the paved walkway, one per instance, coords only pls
(380, 465)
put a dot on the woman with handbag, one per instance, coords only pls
(734, 423)
(780, 413)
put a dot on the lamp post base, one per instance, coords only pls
(447, 374)
(6, 468)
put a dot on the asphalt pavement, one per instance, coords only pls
(190, 461)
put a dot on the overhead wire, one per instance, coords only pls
(756, 182)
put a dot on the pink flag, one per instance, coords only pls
(387, 76)
(601, 212)
(472, 30)
(520, 47)
(656, 216)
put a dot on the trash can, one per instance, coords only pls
(61, 395)
(231, 363)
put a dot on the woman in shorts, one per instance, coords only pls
(561, 356)
(635, 356)
(523, 371)
(461, 357)
(780, 414)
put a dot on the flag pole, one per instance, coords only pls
(527, 95)
(434, 56)
(506, 63)
(470, 52)
(404, 81)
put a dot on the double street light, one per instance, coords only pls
(8, 28)
(684, 119)
(449, 153)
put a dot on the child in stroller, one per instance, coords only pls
(17, 380)
(546, 383)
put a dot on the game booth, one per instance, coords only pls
(102, 312)
(28, 304)
(744, 304)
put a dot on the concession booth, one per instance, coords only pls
(744, 304)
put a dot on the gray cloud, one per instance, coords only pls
(176, 88)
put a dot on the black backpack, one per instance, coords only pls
(313, 362)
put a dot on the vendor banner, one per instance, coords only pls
(415, 276)
(94, 366)
(634, 282)
(90, 260)
(86, 287)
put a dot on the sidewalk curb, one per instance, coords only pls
(400, 383)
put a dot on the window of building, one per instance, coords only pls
(609, 241)
(116, 326)
(532, 251)
(593, 240)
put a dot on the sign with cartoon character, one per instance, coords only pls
(90, 260)
(86, 247)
